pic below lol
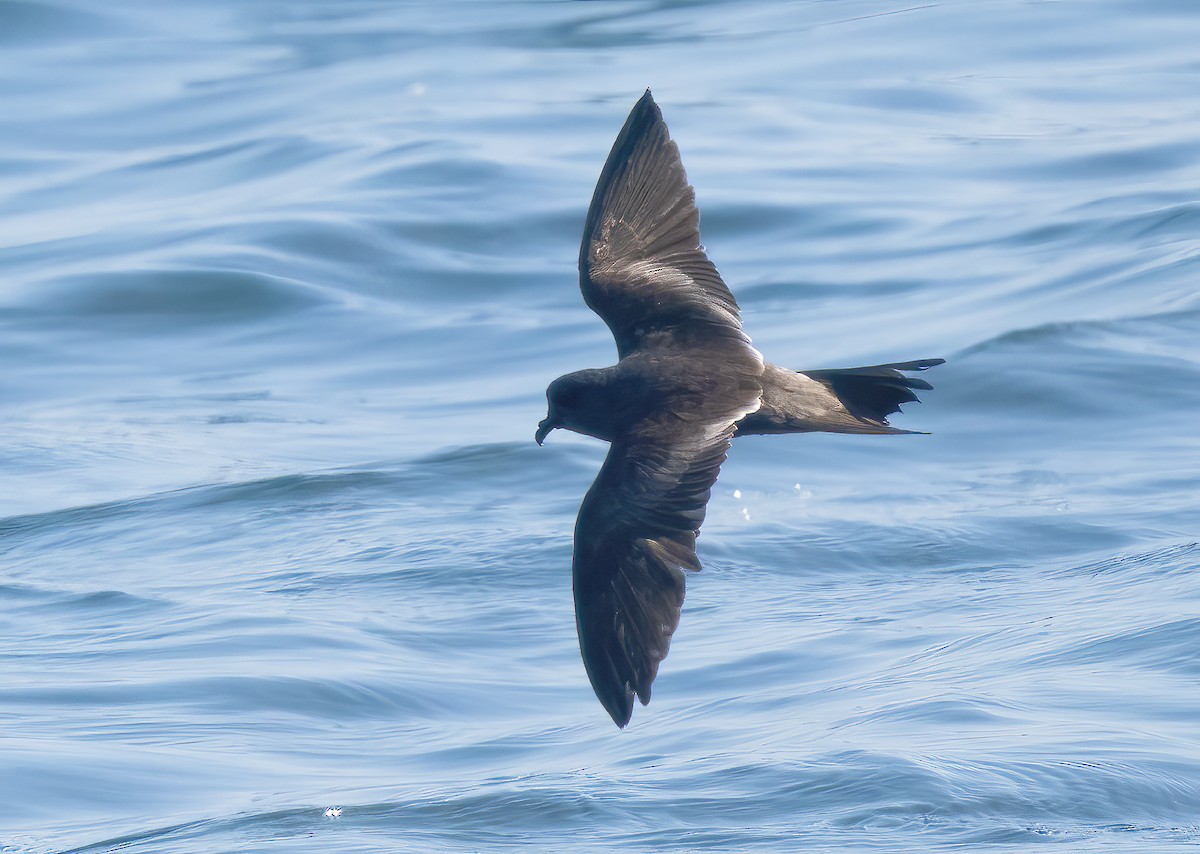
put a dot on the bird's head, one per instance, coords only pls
(560, 395)
(575, 402)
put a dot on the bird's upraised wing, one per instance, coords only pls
(635, 536)
(641, 265)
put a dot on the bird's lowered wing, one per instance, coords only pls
(635, 536)
(641, 265)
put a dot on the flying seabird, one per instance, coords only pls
(687, 382)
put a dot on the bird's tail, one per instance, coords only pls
(874, 392)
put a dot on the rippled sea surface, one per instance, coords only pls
(281, 288)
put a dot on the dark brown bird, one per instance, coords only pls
(687, 383)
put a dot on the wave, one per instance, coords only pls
(833, 801)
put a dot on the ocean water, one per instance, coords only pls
(281, 288)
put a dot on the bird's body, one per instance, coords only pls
(688, 381)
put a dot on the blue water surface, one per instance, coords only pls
(281, 288)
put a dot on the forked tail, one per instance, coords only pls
(845, 400)
(874, 392)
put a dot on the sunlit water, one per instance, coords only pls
(281, 287)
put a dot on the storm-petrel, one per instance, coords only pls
(688, 381)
